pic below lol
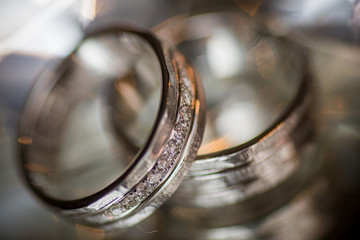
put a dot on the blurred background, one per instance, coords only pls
(35, 32)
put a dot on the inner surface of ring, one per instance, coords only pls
(249, 76)
(72, 151)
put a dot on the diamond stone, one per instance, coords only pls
(128, 201)
(141, 191)
(163, 163)
(181, 126)
(115, 210)
(138, 198)
(180, 131)
(149, 188)
(184, 114)
(155, 176)
(171, 148)
(186, 97)
(187, 83)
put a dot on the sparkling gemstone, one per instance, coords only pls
(138, 198)
(186, 81)
(178, 138)
(115, 210)
(186, 97)
(163, 163)
(150, 187)
(180, 132)
(141, 191)
(184, 114)
(128, 201)
(155, 176)
(146, 187)
(189, 86)
(183, 88)
(171, 148)
(181, 126)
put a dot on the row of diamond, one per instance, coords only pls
(166, 162)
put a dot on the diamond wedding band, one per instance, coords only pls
(159, 166)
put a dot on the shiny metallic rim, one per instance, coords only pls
(275, 158)
(239, 173)
(161, 164)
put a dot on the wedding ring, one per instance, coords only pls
(233, 189)
(68, 93)
(237, 57)
(226, 172)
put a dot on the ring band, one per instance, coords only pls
(268, 161)
(161, 164)
(239, 173)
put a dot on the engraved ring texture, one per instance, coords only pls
(160, 165)
(241, 172)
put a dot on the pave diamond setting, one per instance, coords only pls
(167, 161)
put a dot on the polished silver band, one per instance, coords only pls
(246, 182)
(159, 166)
(239, 173)
(256, 168)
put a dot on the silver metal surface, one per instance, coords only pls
(225, 171)
(330, 35)
(157, 169)
(222, 176)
